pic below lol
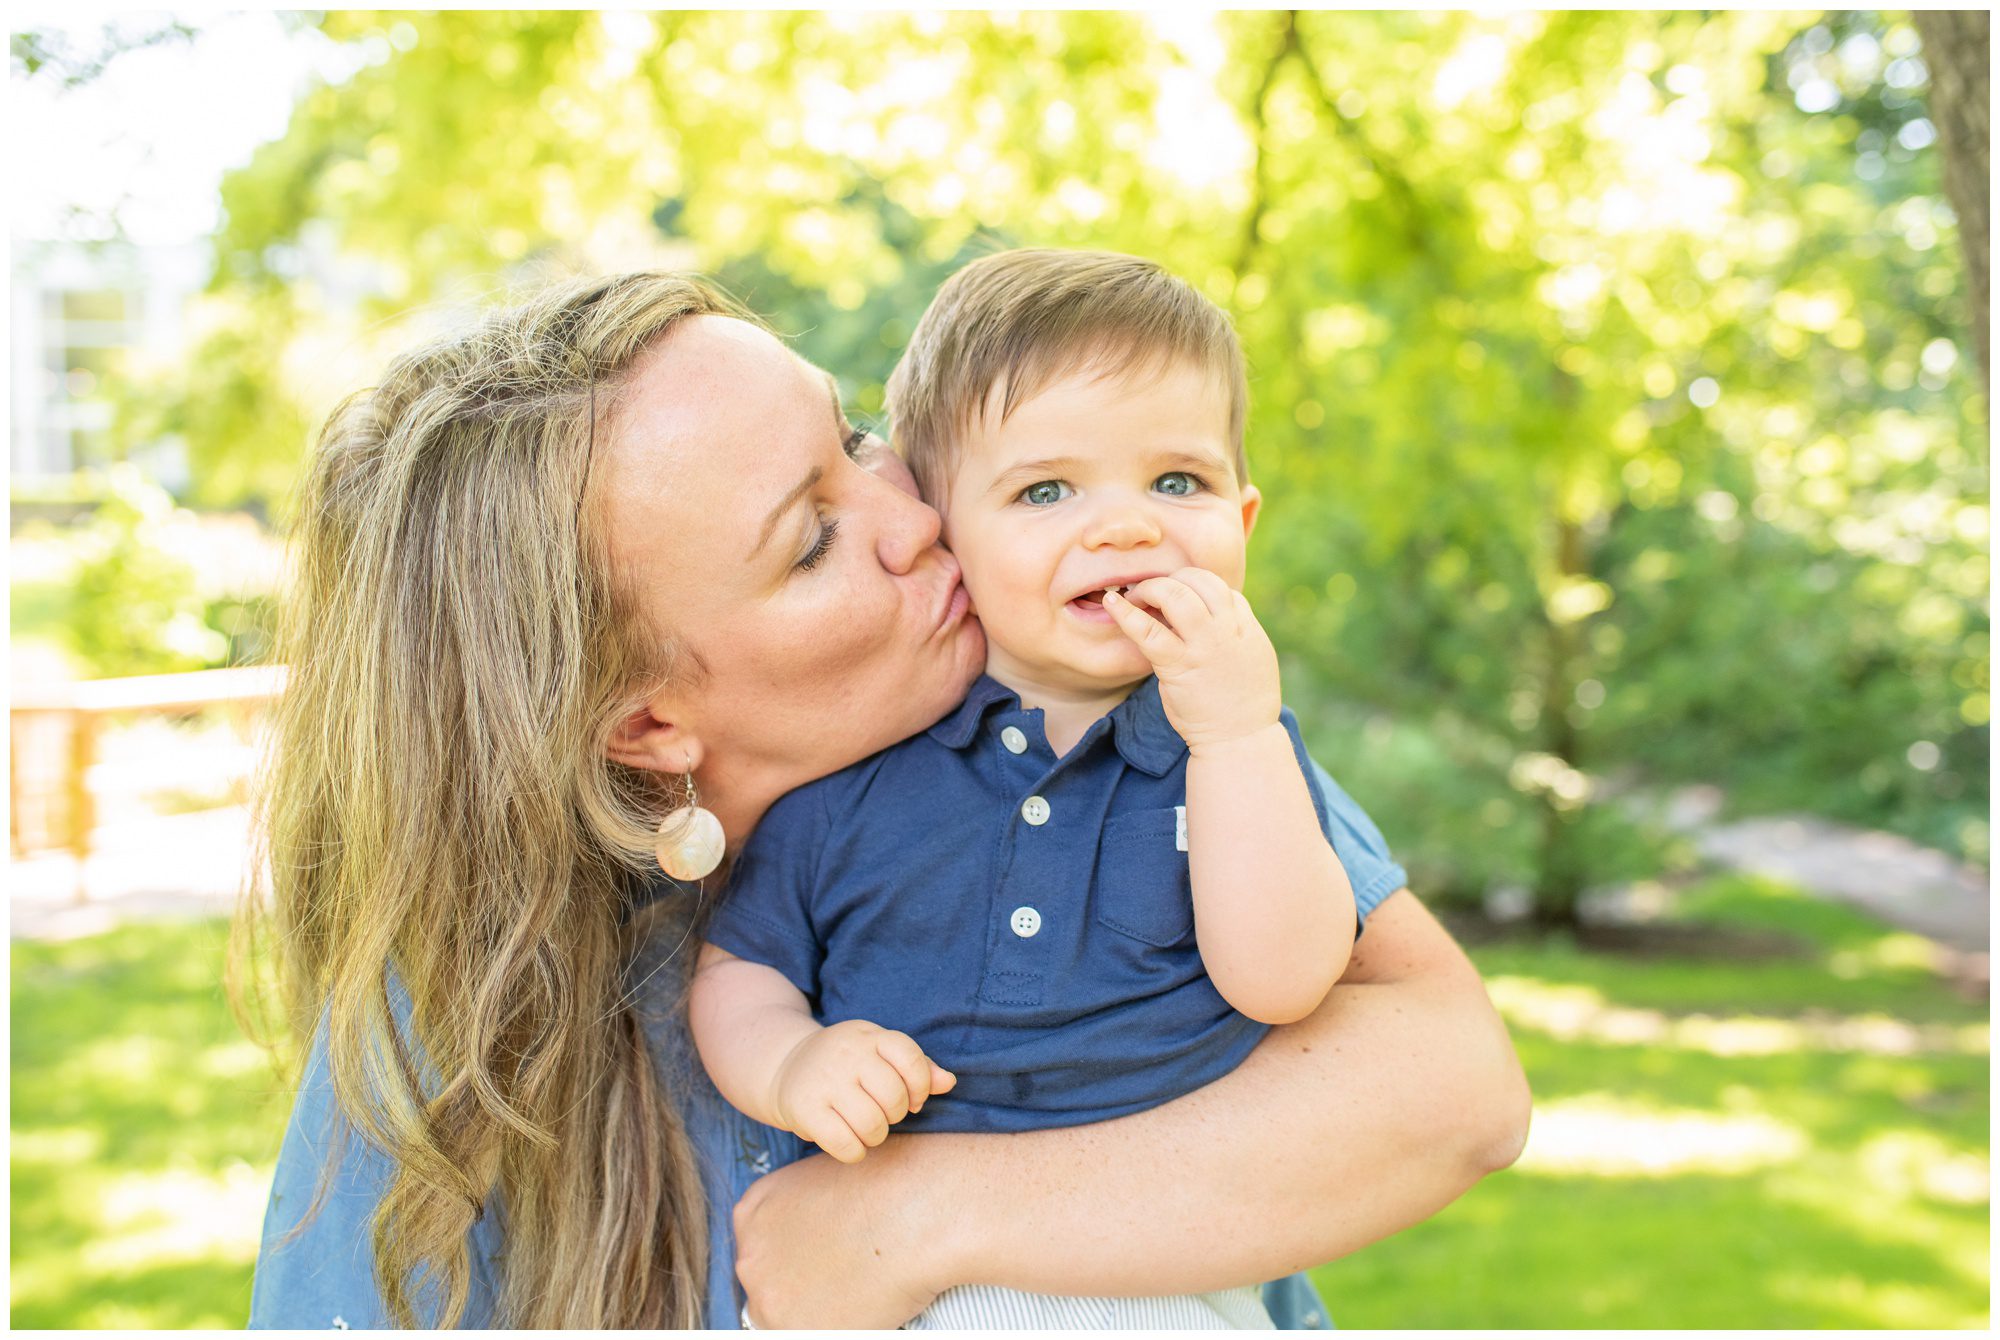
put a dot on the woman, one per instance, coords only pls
(559, 574)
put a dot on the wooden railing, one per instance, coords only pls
(81, 708)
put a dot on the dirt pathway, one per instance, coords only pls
(1891, 878)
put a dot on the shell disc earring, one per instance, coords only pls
(689, 844)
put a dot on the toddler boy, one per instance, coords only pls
(1096, 884)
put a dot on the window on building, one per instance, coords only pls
(84, 334)
(105, 305)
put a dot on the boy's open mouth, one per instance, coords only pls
(1090, 605)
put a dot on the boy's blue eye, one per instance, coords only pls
(1044, 493)
(1178, 483)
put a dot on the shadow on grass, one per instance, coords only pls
(1822, 957)
(1839, 1084)
(208, 1294)
(127, 1035)
(1685, 1251)
(143, 1130)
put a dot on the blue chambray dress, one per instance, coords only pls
(319, 1273)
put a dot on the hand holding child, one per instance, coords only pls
(845, 1085)
(1218, 671)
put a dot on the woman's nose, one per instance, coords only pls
(879, 459)
(909, 528)
(1120, 525)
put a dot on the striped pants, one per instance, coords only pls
(985, 1307)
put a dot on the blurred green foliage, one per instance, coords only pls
(127, 604)
(1610, 385)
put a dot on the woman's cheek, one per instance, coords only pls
(863, 615)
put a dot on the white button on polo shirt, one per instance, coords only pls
(1025, 921)
(1015, 741)
(1035, 810)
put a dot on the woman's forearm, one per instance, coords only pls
(1391, 1100)
(1397, 1095)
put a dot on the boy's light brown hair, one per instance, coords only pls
(1023, 320)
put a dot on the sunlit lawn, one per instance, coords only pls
(1720, 1141)
(145, 1128)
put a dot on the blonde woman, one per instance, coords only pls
(562, 575)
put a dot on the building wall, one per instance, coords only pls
(78, 313)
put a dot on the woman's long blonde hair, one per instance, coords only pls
(440, 819)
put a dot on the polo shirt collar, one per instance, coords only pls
(962, 722)
(1146, 739)
(1139, 727)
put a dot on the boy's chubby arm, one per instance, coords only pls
(841, 1086)
(1273, 909)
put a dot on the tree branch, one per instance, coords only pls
(1288, 41)
(1957, 46)
(1398, 185)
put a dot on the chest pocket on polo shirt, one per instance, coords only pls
(1142, 877)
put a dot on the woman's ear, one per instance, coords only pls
(646, 739)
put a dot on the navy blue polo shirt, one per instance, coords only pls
(1028, 920)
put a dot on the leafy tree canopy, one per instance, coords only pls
(1610, 370)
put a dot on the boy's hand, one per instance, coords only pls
(845, 1085)
(1218, 671)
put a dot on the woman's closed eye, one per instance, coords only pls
(1044, 493)
(854, 444)
(828, 528)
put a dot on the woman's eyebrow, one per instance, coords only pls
(798, 491)
(813, 476)
(839, 412)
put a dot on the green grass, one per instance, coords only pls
(1796, 1140)
(145, 1129)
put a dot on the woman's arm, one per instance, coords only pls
(1387, 1103)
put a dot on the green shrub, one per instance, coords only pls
(130, 605)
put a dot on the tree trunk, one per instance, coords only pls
(1957, 49)
(1560, 876)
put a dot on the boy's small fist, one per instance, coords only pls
(1217, 668)
(844, 1086)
